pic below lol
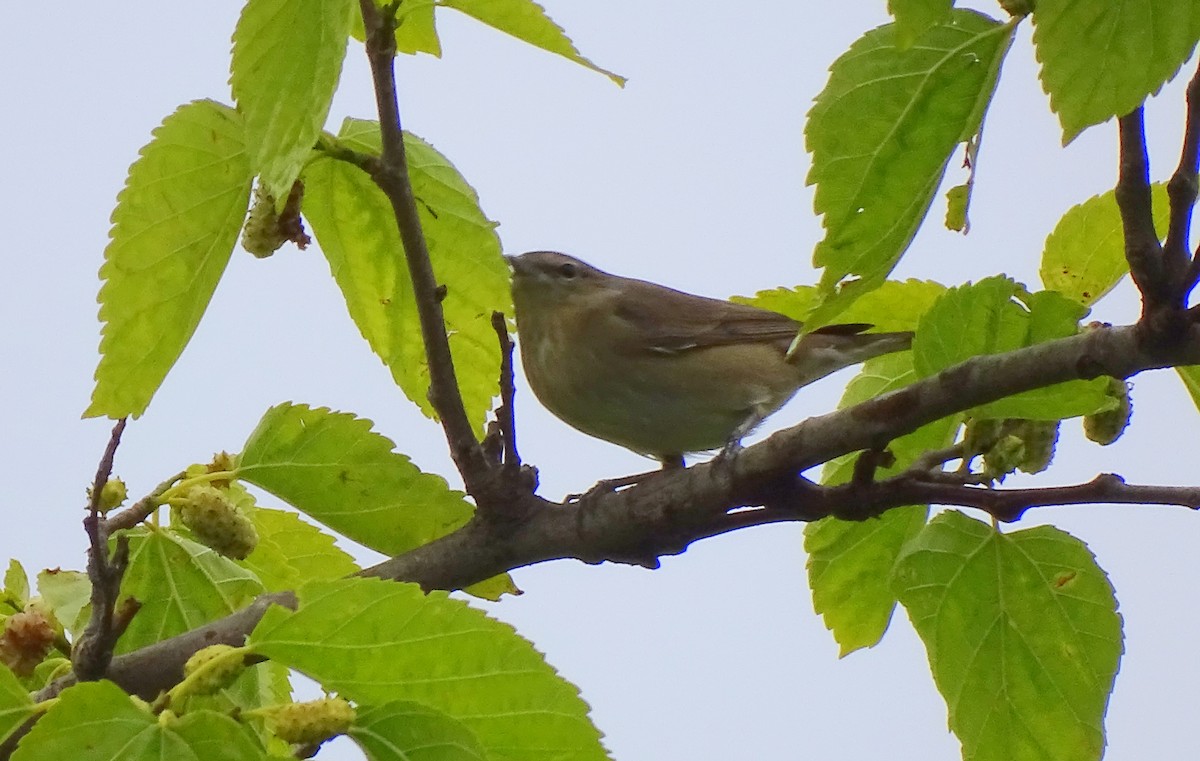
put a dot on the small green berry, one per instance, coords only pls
(218, 522)
(314, 721)
(1106, 427)
(215, 678)
(1004, 457)
(1040, 437)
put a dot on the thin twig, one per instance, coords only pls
(335, 149)
(94, 650)
(506, 412)
(934, 459)
(142, 509)
(1183, 191)
(862, 501)
(392, 178)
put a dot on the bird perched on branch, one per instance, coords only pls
(660, 371)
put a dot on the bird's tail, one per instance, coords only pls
(833, 347)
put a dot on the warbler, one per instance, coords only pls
(659, 371)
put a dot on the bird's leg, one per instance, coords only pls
(669, 462)
(734, 445)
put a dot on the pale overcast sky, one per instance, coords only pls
(693, 176)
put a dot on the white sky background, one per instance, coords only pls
(693, 176)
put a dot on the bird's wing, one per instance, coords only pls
(672, 321)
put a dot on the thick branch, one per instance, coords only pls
(391, 176)
(1142, 250)
(669, 509)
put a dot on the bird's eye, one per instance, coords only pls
(569, 270)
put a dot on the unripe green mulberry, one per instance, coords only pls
(1040, 438)
(215, 678)
(311, 722)
(260, 235)
(112, 494)
(1106, 427)
(266, 230)
(1004, 457)
(218, 522)
(981, 434)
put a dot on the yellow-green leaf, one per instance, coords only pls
(291, 551)
(1022, 634)
(287, 58)
(915, 17)
(97, 721)
(173, 231)
(402, 730)
(527, 21)
(332, 467)
(1084, 257)
(356, 229)
(997, 315)
(849, 561)
(181, 585)
(377, 641)
(876, 177)
(15, 704)
(1102, 59)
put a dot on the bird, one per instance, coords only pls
(662, 372)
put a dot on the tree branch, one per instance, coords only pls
(1142, 250)
(93, 652)
(1182, 190)
(142, 509)
(391, 175)
(668, 510)
(857, 502)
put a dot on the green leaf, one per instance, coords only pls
(915, 17)
(15, 704)
(997, 315)
(97, 721)
(895, 305)
(1101, 60)
(181, 585)
(877, 176)
(849, 561)
(334, 468)
(16, 583)
(173, 230)
(209, 735)
(46, 672)
(980, 318)
(291, 551)
(260, 685)
(375, 641)
(287, 58)
(405, 731)
(415, 30)
(1084, 257)
(69, 595)
(957, 200)
(1022, 634)
(794, 302)
(527, 21)
(356, 229)
(1190, 375)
